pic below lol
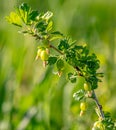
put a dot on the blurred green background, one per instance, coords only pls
(33, 98)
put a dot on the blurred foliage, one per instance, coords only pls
(33, 98)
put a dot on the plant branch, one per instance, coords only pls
(51, 46)
(94, 97)
(79, 71)
(87, 66)
(98, 104)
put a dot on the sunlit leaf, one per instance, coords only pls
(49, 26)
(56, 35)
(13, 18)
(79, 95)
(47, 15)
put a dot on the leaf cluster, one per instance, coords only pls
(33, 22)
(108, 122)
(79, 95)
(83, 61)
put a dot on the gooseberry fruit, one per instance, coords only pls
(98, 126)
(44, 55)
(83, 106)
(87, 87)
(40, 49)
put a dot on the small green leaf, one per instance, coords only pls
(49, 26)
(79, 95)
(72, 77)
(33, 15)
(24, 7)
(13, 18)
(56, 35)
(52, 60)
(63, 45)
(93, 81)
(60, 64)
(23, 31)
(85, 51)
(41, 26)
(78, 47)
(23, 12)
(47, 15)
(108, 122)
